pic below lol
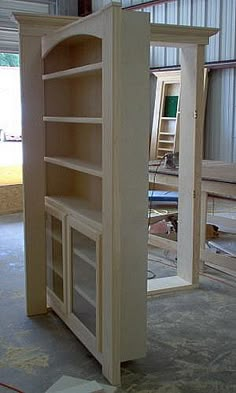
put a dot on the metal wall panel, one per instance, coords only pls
(220, 127)
(9, 40)
(211, 13)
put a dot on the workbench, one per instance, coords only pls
(218, 179)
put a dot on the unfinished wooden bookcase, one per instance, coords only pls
(92, 86)
(165, 129)
(85, 92)
(165, 126)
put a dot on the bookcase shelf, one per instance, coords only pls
(78, 207)
(168, 118)
(75, 164)
(165, 141)
(73, 119)
(74, 72)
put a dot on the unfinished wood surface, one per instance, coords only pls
(220, 261)
(161, 242)
(219, 171)
(74, 72)
(77, 141)
(75, 164)
(204, 201)
(157, 286)
(190, 159)
(115, 100)
(11, 198)
(127, 182)
(31, 30)
(179, 36)
(212, 171)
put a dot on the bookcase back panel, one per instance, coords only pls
(172, 89)
(62, 181)
(76, 51)
(77, 96)
(82, 141)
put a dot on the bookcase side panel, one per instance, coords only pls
(132, 164)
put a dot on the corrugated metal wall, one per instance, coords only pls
(9, 38)
(220, 128)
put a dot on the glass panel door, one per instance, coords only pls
(54, 252)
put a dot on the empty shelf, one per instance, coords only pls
(63, 119)
(77, 206)
(82, 293)
(75, 164)
(72, 72)
(167, 133)
(164, 141)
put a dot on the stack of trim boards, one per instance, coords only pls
(76, 385)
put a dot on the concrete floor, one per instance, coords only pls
(191, 335)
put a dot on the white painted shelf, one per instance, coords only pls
(74, 72)
(77, 207)
(75, 164)
(64, 119)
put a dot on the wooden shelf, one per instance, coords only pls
(168, 118)
(54, 236)
(55, 269)
(85, 258)
(82, 120)
(165, 141)
(225, 224)
(167, 133)
(78, 207)
(75, 164)
(84, 295)
(74, 72)
(164, 149)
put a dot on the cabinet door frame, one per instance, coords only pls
(53, 300)
(93, 343)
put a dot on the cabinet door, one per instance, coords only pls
(55, 251)
(84, 282)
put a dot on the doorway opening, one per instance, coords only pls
(10, 135)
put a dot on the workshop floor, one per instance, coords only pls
(191, 335)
